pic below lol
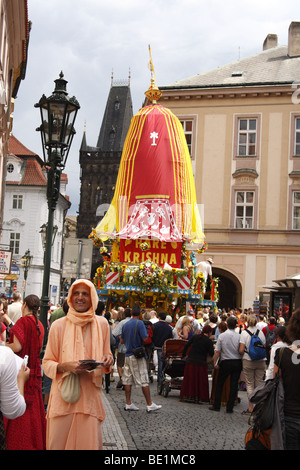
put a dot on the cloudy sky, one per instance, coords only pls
(88, 39)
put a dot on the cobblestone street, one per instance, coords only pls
(176, 426)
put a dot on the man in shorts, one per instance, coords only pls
(135, 370)
(121, 347)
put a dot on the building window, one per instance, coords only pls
(247, 137)
(188, 132)
(296, 210)
(244, 209)
(297, 137)
(112, 137)
(10, 168)
(15, 243)
(17, 202)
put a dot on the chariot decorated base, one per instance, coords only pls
(152, 230)
(152, 285)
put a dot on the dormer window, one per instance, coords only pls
(10, 168)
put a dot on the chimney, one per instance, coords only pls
(294, 39)
(270, 41)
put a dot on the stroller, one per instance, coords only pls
(173, 366)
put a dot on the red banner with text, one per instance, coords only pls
(159, 252)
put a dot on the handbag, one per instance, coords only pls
(139, 352)
(70, 389)
(258, 436)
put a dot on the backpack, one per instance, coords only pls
(257, 348)
(149, 332)
(270, 338)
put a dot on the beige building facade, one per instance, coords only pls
(14, 37)
(242, 123)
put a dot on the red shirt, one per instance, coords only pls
(271, 328)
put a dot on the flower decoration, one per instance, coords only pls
(93, 236)
(148, 275)
(144, 246)
(203, 248)
(214, 294)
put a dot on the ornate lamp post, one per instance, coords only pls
(25, 264)
(58, 114)
(43, 233)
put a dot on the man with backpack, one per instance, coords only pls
(252, 347)
(269, 332)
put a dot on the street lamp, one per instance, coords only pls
(43, 233)
(58, 114)
(25, 264)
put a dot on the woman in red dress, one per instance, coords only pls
(28, 432)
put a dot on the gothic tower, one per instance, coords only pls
(99, 165)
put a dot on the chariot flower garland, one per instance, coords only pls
(203, 248)
(148, 275)
(93, 236)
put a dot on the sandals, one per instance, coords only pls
(246, 412)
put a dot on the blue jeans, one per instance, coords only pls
(292, 433)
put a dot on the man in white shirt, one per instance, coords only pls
(205, 267)
(227, 352)
(261, 324)
(14, 310)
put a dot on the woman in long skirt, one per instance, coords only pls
(28, 432)
(195, 387)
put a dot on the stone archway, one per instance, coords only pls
(230, 289)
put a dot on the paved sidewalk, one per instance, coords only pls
(115, 433)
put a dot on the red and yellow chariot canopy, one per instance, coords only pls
(155, 195)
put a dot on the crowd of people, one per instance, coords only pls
(87, 343)
(230, 334)
(225, 339)
(215, 342)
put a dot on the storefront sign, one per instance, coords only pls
(5, 261)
